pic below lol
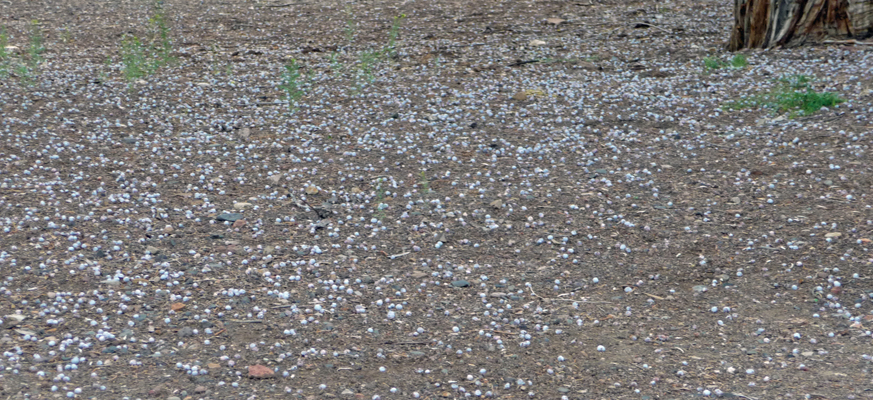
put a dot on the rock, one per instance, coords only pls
(158, 390)
(14, 319)
(260, 372)
(186, 332)
(242, 205)
(177, 306)
(555, 21)
(239, 223)
(229, 217)
(520, 96)
(200, 389)
(311, 190)
(419, 274)
(274, 178)
(461, 283)
(153, 250)
(536, 43)
(700, 288)
(347, 392)
(833, 235)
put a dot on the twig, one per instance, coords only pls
(406, 343)
(393, 256)
(653, 296)
(281, 5)
(283, 306)
(247, 321)
(744, 396)
(532, 292)
(850, 41)
(653, 26)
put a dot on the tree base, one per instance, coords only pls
(789, 23)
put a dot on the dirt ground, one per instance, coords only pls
(495, 199)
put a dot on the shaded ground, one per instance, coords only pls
(474, 217)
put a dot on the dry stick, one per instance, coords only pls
(281, 5)
(851, 41)
(653, 26)
(393, 256)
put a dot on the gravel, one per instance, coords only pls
(530, 200)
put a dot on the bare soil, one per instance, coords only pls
(483, 216)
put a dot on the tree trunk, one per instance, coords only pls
(787, 23)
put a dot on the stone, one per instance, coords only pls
(242, 205)
(260, 372)
(461, 283)
(229, 217)
(239, 223)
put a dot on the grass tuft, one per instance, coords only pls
(793, 94)
(738, 61)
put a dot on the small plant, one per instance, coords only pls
(24, 74)
(712, 63)
(335, 64)
(135, 58)
(739, 61)
(365, 74)
(35, 47)
(143, 57)
(424, 182)
(380, 196)
(351, 25)
(793, 94)
(389, 50)
(292, 84)
(4, 54)
(65, 35)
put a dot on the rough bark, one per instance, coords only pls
(788, 23)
